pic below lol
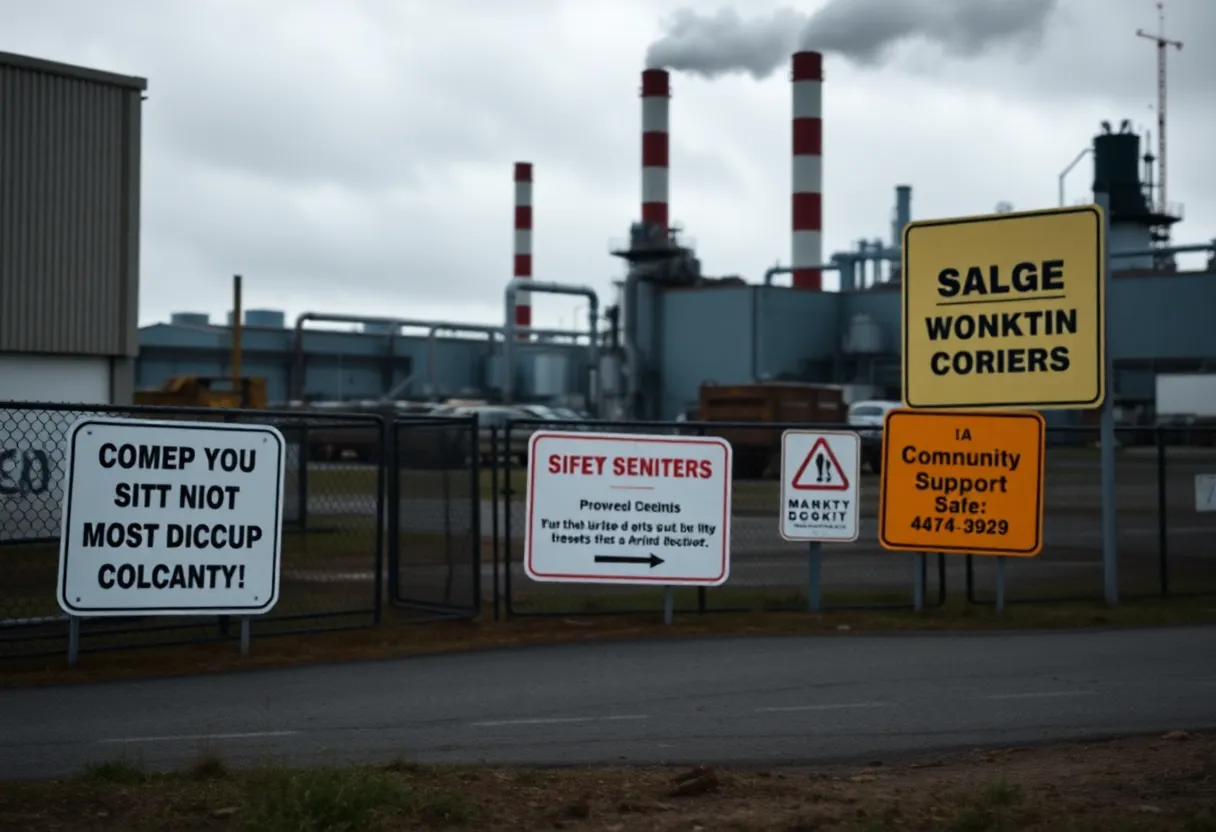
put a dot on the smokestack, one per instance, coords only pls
(523, 242)
(807, 240)
(656, 92)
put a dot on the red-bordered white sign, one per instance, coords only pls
(628, 508)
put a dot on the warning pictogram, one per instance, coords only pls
(820, 471)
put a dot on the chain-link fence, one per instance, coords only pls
(767, 573)
(333, 521)
(1166, 545)
(1164, 541)
(435, 492)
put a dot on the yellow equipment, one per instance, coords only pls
(206, 391)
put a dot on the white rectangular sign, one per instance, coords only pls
(170, 518)
(628, 509)
(1205, 492)
(820, 471)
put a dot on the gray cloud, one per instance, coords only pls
(864, 31)
(356, 156)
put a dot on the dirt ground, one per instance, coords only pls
(1143, 784)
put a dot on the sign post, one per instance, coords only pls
(1008, 312)
(820, 473)
(968, 483)
(623, 508)
(170, 518)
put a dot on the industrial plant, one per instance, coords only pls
(636, 357)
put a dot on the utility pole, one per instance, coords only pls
(1162, 42)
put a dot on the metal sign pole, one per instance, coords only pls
(669, 605)
(814, 579)
(1000, 586)
(73, 640)
(245, 635)
(1110, 558)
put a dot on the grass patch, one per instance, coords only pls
(121, 771)
(1148, 784)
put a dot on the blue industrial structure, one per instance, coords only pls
(674, 328)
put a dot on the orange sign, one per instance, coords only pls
(963, 482)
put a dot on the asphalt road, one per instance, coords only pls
(735, 700)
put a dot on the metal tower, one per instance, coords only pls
(1162, 43)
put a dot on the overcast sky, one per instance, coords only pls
(356, 155)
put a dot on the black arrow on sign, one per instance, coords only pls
(653, 560)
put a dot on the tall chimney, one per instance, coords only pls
(656, 92)
(806, 253)
(523, 242)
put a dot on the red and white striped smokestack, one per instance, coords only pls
(807, 244)
(523, 241)
(656, 92)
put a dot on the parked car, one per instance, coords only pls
(866, 417)
(493, 418)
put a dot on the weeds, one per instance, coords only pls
(121, 770)
(333, 799)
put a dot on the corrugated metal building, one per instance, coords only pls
(69, 231)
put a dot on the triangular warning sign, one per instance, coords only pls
(820, 471)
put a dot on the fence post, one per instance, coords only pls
(475, 474)
(388, 518)
(493, 511)
(1162, 519)
(506, 517)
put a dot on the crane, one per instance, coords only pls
(1163, 43)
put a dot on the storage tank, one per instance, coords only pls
(190, 319)
(266, 317)
(493, 372)
(550, 375)
(610, 374)
(864, 336)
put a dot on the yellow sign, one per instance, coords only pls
(1005, 311)
(969, 483)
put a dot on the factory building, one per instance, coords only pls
(69, 231)
(672, 327)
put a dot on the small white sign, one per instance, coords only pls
(628, 509)
(170, 518)
(819, 485)
(1205, 492)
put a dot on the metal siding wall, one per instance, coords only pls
(69, 194)
(1165, 316)
(795, 326)
(708, 337)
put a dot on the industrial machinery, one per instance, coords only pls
(758, 450)
(206, 391)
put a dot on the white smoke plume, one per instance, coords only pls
(863, 31)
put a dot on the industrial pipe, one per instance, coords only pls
(551, 288)
(1191, 248)
(487, 329)
(394, 324)
(773, 271)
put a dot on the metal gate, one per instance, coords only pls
(434, 516)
